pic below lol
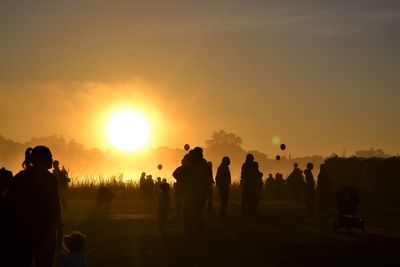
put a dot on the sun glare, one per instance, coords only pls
(128, 130)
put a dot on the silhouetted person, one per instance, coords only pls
(157, 185)
(104, 196)
(324, 190)
(245, 183)
(210, 198)
(74, 254)
(249, 181)
(33, 211)
(270, 187)
(164, 206)
(258, 190)
(142, 185)
(223, 181)
(179, 187)
(149, 184)
(309, 196)
(62, 182)
(149, 190)
(296, 183)
(280, 187)
(5, 179)
(196, 181)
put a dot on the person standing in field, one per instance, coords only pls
(258, 189)
(249, 181)
(33, 211)
(324, 190)
(62, 182)
(164, 206)
(280, 187)
(196, 180)
(270, 187)
(157, 185)
(309, 196)
(296, 183)
(6, 177)
(210, 198)
(223, 180)
(178, 186)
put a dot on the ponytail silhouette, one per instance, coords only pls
(40, 156)
(28, 156)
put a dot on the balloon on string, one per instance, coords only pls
(278, 157)
(159, 166)
(283, 146)
(186, 147)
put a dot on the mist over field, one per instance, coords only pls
(88, 163)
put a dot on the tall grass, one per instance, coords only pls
(123, 187)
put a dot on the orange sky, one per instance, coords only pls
(323, 77)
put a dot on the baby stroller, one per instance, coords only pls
(347, 200)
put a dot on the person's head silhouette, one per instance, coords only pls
(56, 164)
(226, 161)
(39, 157)
(249, 158)
(198, 152)
(310, 166)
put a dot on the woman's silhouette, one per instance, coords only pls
(34, 211)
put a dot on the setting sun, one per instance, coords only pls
(128, 130)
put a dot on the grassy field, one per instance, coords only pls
(126, 234)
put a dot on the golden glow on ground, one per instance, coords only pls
(128, 130)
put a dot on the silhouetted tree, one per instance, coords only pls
(225, 144)
(372, 153)
(221, 137)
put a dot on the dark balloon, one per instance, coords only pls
(278, 157)
(186, 147)
(283, 146)
(159, 166)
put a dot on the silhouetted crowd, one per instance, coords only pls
(32, 201)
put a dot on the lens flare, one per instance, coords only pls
(276, 140)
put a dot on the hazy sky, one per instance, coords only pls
(321, 75)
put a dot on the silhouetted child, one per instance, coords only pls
(157, 184)
(74, 245)
(104, 196)
(164, 206)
